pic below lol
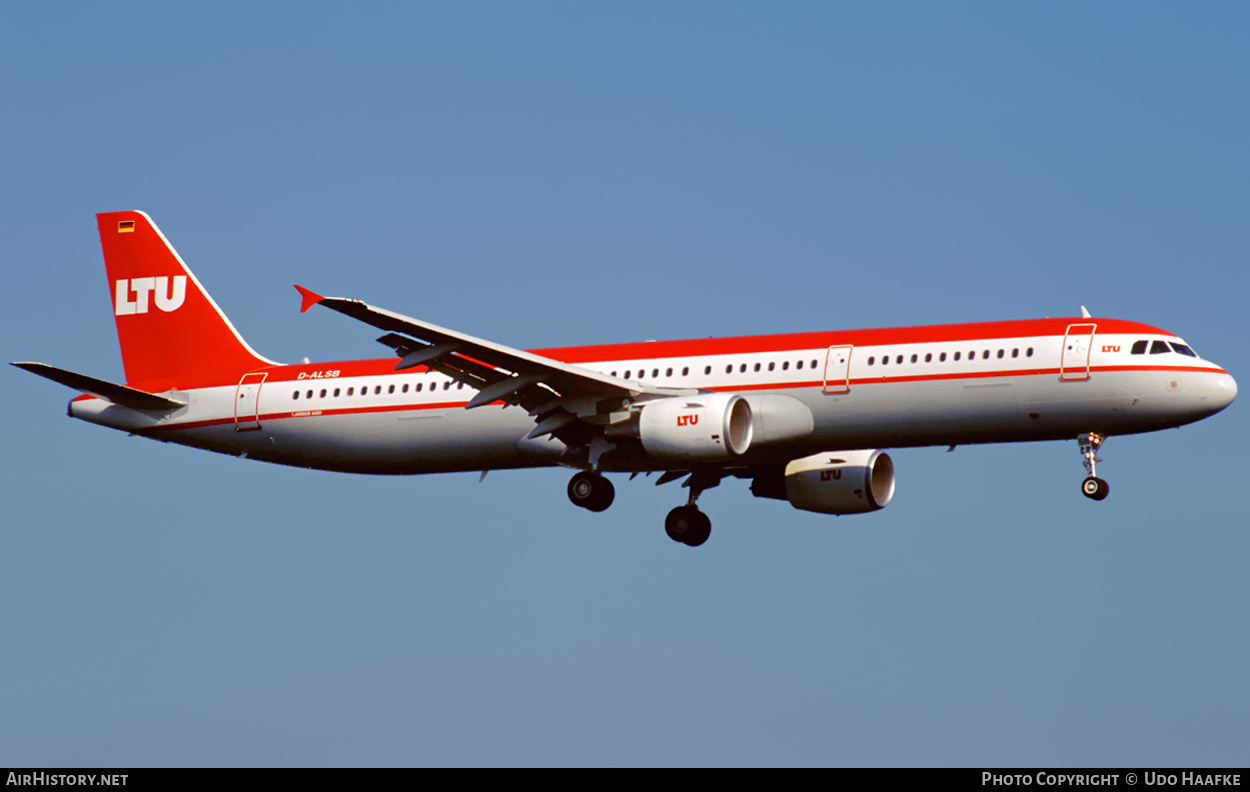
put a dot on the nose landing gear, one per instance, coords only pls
(1092, 487)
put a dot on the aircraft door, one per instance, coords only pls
(838, 369)
(1078, 342)
(247, 402)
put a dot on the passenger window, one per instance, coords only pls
(871, 360)
(295, 395)
(813, 364)
(323, 393)
(1139, 347)
(1015, 353)
(308, 395)
(985, 355)
(885, 360)
(447, 385)
(785, 365)
(351, 391)
(1000, 354)
(742, 369)
(799, 365)
(956, 356)
(685, 371)
(390, 389)
(928, 357)
(942, 358)
(707, 370)
(419, 386)
(1158, 348)
(729, 369)
(405, 388)
(655, 373)
(336, 393)
(627, 373)
(899, 360)
(1029, 352)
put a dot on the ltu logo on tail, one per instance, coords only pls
(168, 297)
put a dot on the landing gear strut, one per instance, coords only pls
(686, 524)
(591, 491)
(1092, 487)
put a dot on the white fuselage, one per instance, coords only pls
(955, 384)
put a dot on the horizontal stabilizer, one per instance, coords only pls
(103, 389)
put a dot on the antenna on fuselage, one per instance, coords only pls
(1085, 313)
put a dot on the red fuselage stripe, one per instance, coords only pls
(861, 382)
(1024, 331)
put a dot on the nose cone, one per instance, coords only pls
(1229, 387)
(1219, 391)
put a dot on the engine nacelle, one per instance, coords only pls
(706, 426)
(835, 482)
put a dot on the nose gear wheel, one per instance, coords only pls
(1092, 487)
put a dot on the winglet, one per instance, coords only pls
(311, 298)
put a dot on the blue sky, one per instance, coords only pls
(555, 173)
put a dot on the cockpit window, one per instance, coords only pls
(1184, 350)
(1159, 347)
(1139, 347)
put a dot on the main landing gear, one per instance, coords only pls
(685, 524)
(688, 525)
(591, 491)
(1092, 487)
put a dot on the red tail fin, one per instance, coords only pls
(172, 334)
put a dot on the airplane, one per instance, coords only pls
(802, 416)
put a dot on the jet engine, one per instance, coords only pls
(834, 482)
(706, 426)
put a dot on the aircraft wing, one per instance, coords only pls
(558, 395)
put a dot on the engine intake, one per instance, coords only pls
(707, 426)
(834, 482)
